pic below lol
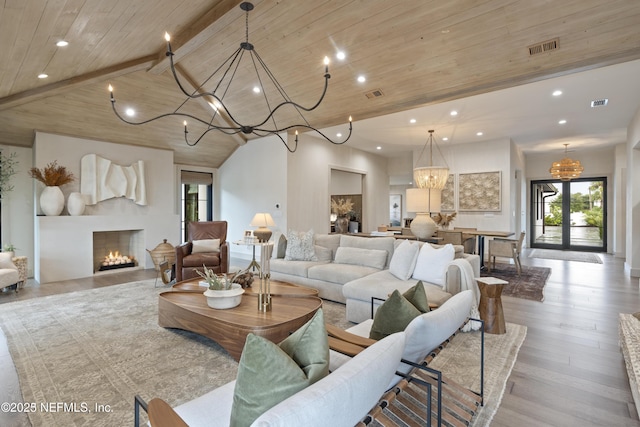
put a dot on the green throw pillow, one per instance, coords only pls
(270, 373)
(393, 316)
(418, 297)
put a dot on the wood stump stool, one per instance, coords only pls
(490, 306)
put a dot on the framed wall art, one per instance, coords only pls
(395, 210)
(480, 192)
(448, 195)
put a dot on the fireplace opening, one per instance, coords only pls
(115, 250)
(114, 261)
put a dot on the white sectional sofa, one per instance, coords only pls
(352, 269)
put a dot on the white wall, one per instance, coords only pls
(632, 259)
(160, 219)
(309, 177)
(253, 179)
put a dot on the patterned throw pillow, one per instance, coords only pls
(300, 246)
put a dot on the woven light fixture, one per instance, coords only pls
(432, 177)
(566, 169)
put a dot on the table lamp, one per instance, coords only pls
(423, 201)
(262, 220)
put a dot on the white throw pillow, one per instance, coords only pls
(404, 259)
(376, 258)
(432, 264)
(206, 245)
(300, 246)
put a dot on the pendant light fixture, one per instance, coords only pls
(566, 169)
(214, 88)
(432, 177)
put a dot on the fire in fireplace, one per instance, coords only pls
(115, 260)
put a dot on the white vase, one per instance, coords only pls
(52, 201)
(75, 204)
(222, 300)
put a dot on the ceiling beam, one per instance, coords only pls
(197, 33)
(61, 86)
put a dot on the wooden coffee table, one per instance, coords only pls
(277, 288)
(188, 310)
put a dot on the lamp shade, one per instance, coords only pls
(423, 200)
(262, 220)
(434, 177)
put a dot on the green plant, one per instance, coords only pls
(215, 282)
(7, 170)
(9, 247)
(52, 175)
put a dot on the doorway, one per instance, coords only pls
(196, 199)
(569, 215)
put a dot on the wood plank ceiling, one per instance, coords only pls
(417, 52)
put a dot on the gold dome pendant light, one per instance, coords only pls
(566, 169)
(431, 177)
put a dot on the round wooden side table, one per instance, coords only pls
(490, 306)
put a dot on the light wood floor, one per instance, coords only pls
(569, 372)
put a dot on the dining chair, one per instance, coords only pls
(508, 248)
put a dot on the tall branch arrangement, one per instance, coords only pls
(341, 207)
(52, 175)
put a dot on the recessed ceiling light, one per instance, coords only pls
(445, 139)
(339, 135)
(561, 122)
(341, 55)
(62, 43)
(378, 148)
(43, 76)
(362, 79)
(479, 134)
(256, 89)
(557, 93)
(453, 113)
(130, 112)
(412, 121)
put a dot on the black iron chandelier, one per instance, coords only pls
(226, 72)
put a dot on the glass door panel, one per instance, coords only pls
(569, 214)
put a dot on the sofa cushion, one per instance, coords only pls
(382, 243)
(345, 396)
(393, 316)
(375, 258)
(294, 268)
(404, 259)
(270, 373)
(339, 273)
(382, 283)
(323, 254)
(330, 241)
(432, 264)
(281, 247)
(300, 246)
(205, 245)
(6, 260)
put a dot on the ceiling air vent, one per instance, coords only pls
(544, 46)
(599, 102)
(376, 93)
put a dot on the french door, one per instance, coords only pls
(569, 214)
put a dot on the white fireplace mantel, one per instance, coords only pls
(64, 244)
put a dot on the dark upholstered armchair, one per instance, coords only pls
(202, 249)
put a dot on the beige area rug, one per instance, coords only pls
(460, 362)
(99, 348)
(566, 255)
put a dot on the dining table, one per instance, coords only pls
(481, 234)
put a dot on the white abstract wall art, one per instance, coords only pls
(100, 180)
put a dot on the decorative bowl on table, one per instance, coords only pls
(224, 299)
